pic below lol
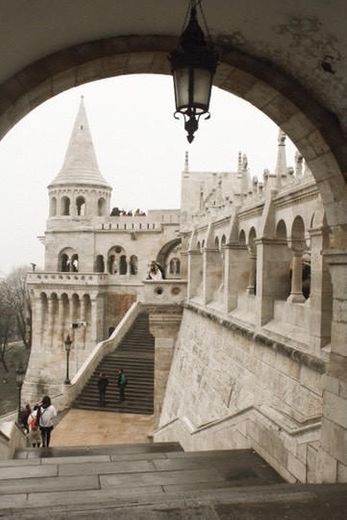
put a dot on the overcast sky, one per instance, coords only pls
(140, 149)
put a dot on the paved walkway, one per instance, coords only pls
(81, 427)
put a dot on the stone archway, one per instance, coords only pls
(314, 130)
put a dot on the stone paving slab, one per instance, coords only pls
(11, 501)
(210, 453)
(109, 449)
(101, 468)
(138, 456)
(19, 462)
(22, 472)
(76, 459)
(42, 484)
(159, 478)
(134, 495)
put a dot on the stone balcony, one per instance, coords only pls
(166, 292)
(44, 278)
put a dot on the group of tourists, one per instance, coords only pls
(38, 422)
(103, 383)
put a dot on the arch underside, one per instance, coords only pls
(315, 131)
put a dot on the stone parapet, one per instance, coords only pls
(165, 292)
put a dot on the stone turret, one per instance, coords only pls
(79, 189)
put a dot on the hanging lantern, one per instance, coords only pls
(193, 65)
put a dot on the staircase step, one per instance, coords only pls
(135, 355)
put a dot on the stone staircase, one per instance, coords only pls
(135, 355)
(157, 482)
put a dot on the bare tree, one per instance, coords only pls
(7, 326)
(17, 299)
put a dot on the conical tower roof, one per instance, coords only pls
(80, 164)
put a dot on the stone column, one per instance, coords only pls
(320, 291)
(333, 450)
(94, 320)
(164, 328)
(296, 295)
(194, 272)
(61, 324)
(252, 271)
(211, 273)
(83, 311)
(236, 268)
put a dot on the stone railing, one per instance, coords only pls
(164, 292)
(70, 392)
(247, 429)
(37, 278)
(11, 437)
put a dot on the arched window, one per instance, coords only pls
(53, 207)
(175, 266)
(123, 267)
(111, 265)
(133, 264)
(65, 206)
(223, 241)
(80, 206)
(64, 263)
(216, 243)
(242, 237)
(100, 264)
(101, 207)
(74, 263)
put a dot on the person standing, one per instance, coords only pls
(102, 387)
(122, 382)
(46, 414)
(34, 435)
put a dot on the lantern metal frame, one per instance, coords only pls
(193, 65)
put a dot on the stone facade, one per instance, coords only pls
(95, 263)
(258, 360)
(253, 356)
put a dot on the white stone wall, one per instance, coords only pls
(218, 372)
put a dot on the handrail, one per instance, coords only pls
(311, 424)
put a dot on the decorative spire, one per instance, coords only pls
(186, 162)
(80, 164)
(281, 164)
(239, 165)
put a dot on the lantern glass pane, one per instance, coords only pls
(202, 89)
(181, 79)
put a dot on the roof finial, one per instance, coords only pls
(281, 164)
(239, 165)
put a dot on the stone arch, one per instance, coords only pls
(216, 243)
(101, 207)
(251, 237)
(297, 234)
(223, 240)
(81, 208)
(133, 265)
(281, 230)
(242, 237)
(99, 264)
(65, 259)
(309, 125)
(65, 206)
(113, 259)
(175, 266)
(165, 251)
(53, 207)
